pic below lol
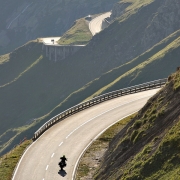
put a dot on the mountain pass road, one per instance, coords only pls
(95, 25)
(71, 136)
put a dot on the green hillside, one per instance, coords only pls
(158, 62)
(15, 64)
(34, 89)
(148, 147)
(169, 48)
(114, 79)
(22, 21)
(121, 42)
(78, 34)
(9, 161)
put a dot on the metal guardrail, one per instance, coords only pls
(97, 100)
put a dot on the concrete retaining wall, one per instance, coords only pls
(60, 52)
(105, 24)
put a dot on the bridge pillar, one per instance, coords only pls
(50, 53)
(64, 52)
(55, 53)
(58, 52)
(47, 51)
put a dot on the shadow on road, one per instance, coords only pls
(62, 173)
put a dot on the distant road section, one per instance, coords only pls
(50, 40)
(95, 25)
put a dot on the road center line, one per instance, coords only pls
(75, 167)
(102, 114)
(60, 143)
(52, 155)
(47, 167)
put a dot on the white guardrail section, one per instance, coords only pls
(97, 100)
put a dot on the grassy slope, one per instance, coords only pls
(88, 162)
(125, 75)
(36, 94)
(112, 77)
(78, 34)
(136, 4)
(39, 18)
(102, 51)
(34, 99)
(12, 65)
(8, 162)
(148, 147)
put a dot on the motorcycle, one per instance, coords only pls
(62, 165)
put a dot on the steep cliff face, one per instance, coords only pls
(23, 20)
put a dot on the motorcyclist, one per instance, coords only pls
(62, 163)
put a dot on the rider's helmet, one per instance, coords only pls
(64, 156)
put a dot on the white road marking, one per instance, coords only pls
(52, 155)
(60, 143)
(16, 169)
(100, 115)
(47, 167)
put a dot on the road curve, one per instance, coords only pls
(95, 25)
(72, 135)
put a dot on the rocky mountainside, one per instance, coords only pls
(24, 20)
(148, 147)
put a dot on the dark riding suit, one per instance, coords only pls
(63, 160)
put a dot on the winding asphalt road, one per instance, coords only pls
(95, 25)
(72, 135)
